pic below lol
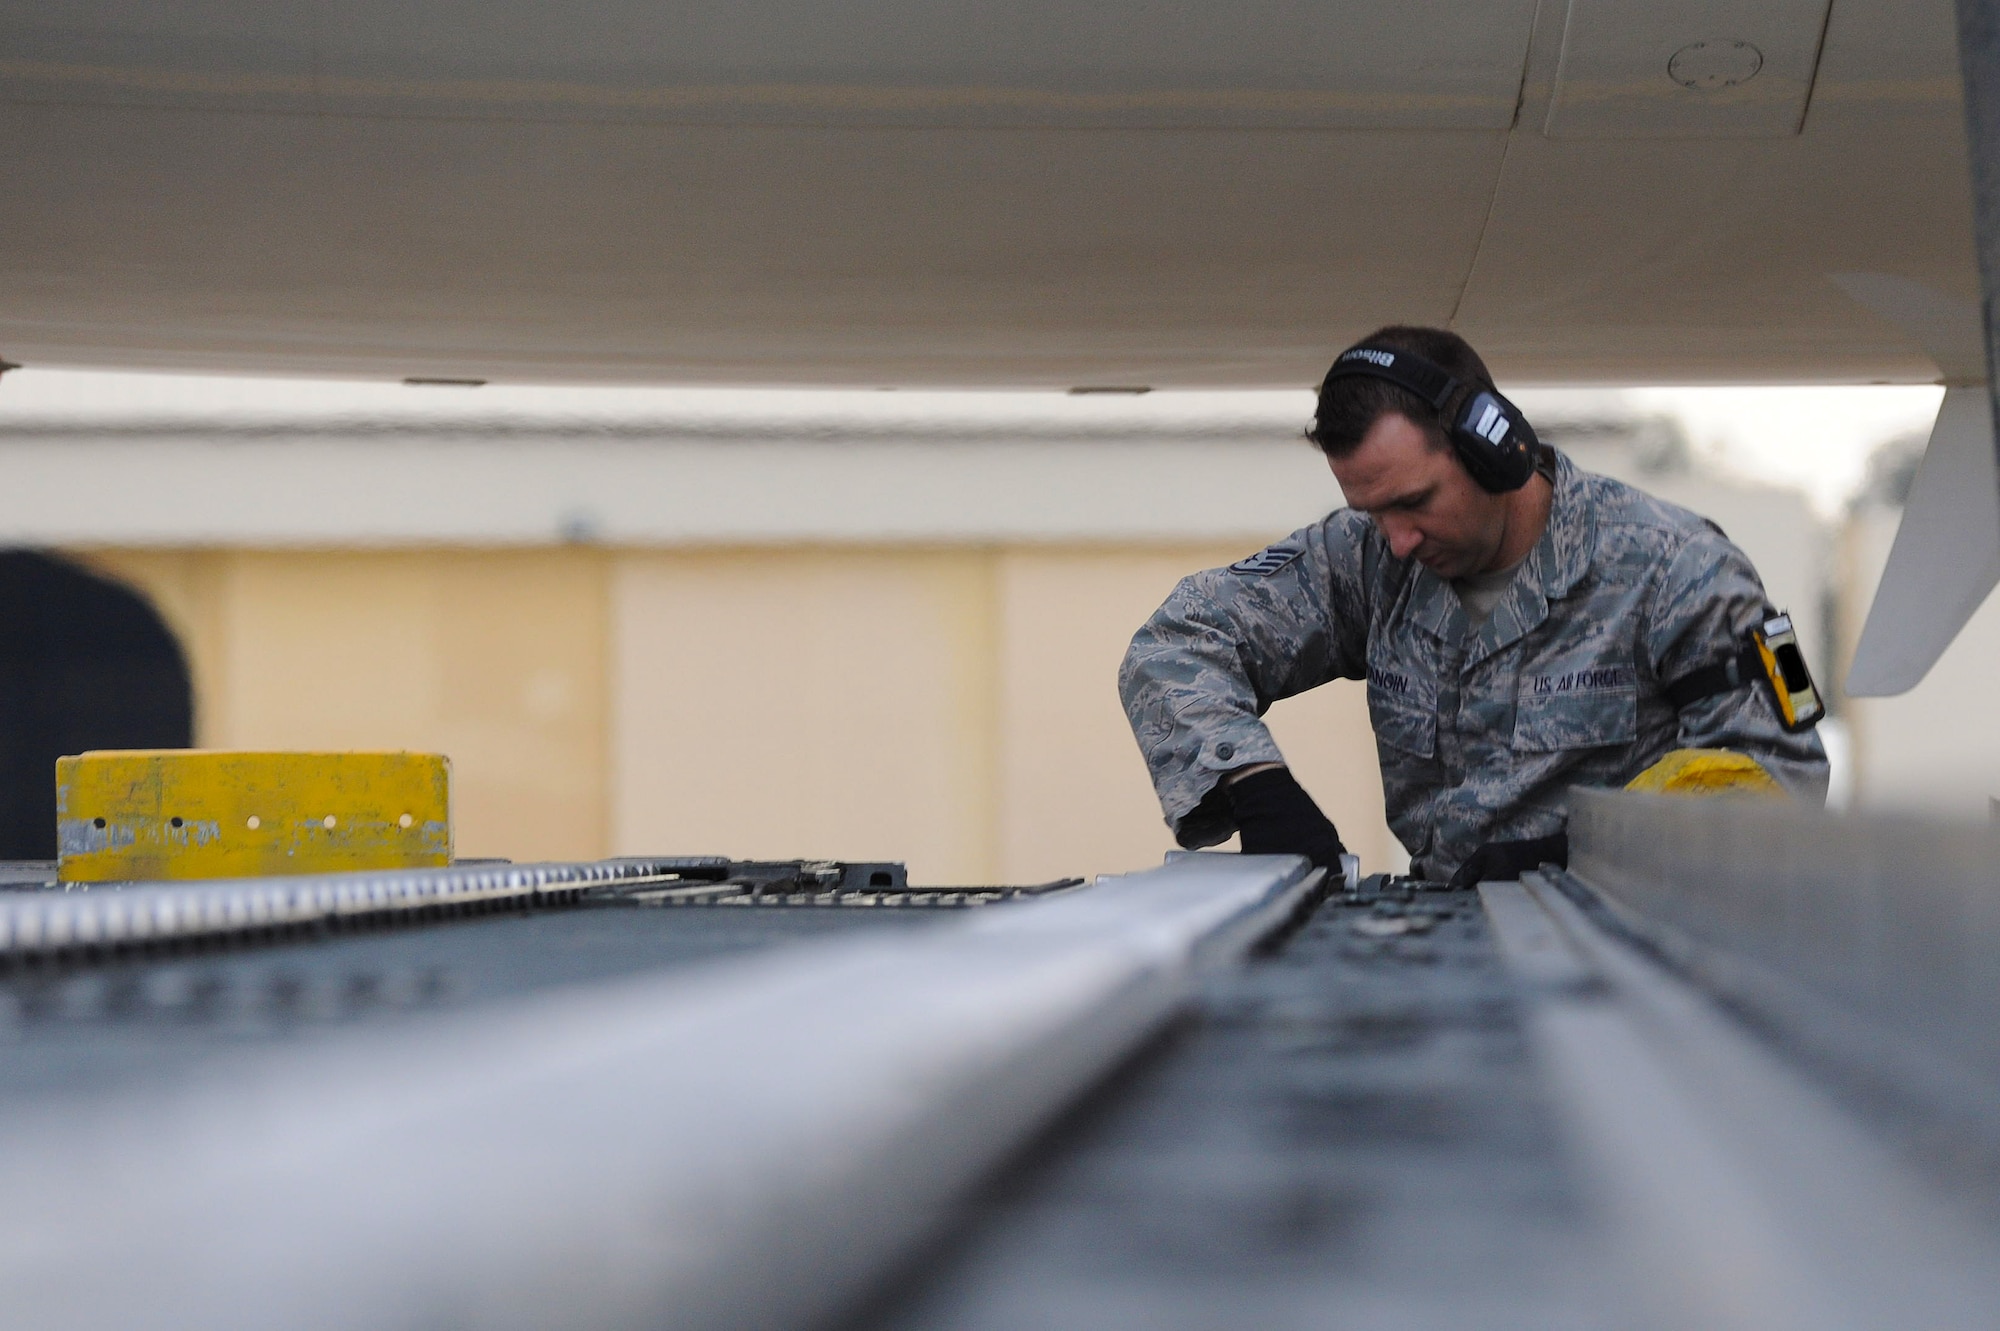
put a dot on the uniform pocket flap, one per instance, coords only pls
(1405, 728)
(1549, 723)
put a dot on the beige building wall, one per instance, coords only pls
(832, 703)
(952, 707)
(493, 658)
(1074, 795)
(957, 709)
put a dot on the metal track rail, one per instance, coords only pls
(1745, 1010)
(749, 1143)
(44, 923)
(1870, 945)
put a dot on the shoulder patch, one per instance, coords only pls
(1268, 561)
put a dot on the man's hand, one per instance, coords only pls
(1276, 817)
(1500, 861)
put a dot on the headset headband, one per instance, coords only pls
(1405, 369)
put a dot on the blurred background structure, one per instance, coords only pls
(852, 624)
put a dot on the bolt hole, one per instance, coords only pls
(97, 822)
(880, 879)
(253, 822)
(175, 820)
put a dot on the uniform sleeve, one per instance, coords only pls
(1708, 599)
(1227, 644)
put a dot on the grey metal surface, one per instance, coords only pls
(16, 874)
(42, 918)
(137, 1024)
(825, 883)
(1869, 944)
(1979, 68)
(89, 915)
(1348, 1132)
(132, 1016)
(1736, 1193)
(741, 1143)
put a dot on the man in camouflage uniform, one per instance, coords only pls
(1515, 644)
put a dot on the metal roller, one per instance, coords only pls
(43, 923)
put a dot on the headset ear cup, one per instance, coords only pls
(1475, 454)
(1451, 415)
(1525, 446)
(1498, 466)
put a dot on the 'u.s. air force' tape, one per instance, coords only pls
(1268, 561)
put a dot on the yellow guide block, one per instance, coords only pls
(130, 814)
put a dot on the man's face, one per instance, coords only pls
(1427, 507)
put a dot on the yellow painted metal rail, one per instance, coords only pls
(141, 815)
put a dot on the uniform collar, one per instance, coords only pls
(1567, 542)
(1556, 564)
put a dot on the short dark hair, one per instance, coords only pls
(1349, 407)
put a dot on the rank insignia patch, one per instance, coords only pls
(1266, 562)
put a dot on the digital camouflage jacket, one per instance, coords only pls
(1480, 736)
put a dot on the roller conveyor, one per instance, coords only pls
(598, 1115)
(702, 1093)
(121, 984)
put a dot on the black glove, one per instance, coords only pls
(1277, 817)
(1500, 861)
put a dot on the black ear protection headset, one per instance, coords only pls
(1489, 433)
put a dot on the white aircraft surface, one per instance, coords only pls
(975, 193)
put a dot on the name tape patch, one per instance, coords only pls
(1584, 681)
(1388, 681)
(1266, 562)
